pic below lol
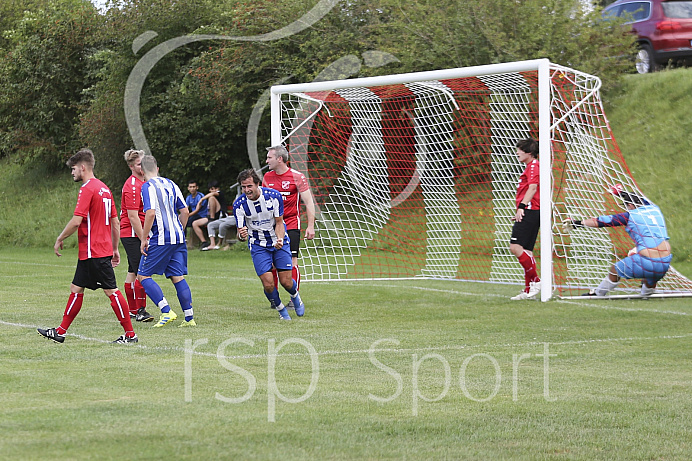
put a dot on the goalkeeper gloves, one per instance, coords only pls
(570, 224)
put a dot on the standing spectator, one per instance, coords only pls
(259, 214)
(292, 184)
(527, 219)
(96, 222)
(651, 257)
(131, 222)
(198, 211)
(165, 251)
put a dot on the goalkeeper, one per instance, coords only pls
(644, 223)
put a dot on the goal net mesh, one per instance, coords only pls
(419, 179)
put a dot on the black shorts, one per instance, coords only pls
(294, 235)
(95, 273)
(525, 233)
(192, 219)
(133, 250)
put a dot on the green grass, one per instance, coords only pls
(620, 377)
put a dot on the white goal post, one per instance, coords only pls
(414, 175)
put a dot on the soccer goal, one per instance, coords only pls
(415, 175)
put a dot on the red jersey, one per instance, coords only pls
(290, 185)
(95, 204)
(528, 177)
(131, 199)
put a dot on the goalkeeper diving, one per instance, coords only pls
(650, 259)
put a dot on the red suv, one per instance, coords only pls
(663, 28)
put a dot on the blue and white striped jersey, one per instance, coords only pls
(645, 224)
(259, 216)
(164, 196)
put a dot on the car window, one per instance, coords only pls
(611, 13)
(638, 11)
(677, 10)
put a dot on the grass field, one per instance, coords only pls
(375, 370)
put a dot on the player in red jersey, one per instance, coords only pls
(527, 219)
(291, 184)
(96, 222)
(131, 224)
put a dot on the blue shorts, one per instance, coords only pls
(638, 267)
(264, 258)
(164, 259)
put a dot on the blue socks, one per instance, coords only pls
(153, 290)
(185, 298)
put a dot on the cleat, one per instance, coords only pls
(290, 305)
(51, 333)
(133, 315)
(122, 339)
(521, 296)
(143, 316)
(534, 289)
(185, 323)
(646, 291)
(204, 246)
(166, 318)
(299, 306)
(283, 313)
(591, 292)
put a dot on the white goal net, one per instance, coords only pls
(415, 175)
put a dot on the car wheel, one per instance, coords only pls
(645, 60)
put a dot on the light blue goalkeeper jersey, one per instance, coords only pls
(645, 224)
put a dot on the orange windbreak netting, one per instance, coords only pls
(419, 179)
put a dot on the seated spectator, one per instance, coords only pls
(220, 227)
(198, 207)
(216, 203)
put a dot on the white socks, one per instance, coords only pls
(605, 286)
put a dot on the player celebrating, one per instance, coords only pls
(96, 222)
(259, 215)
(291, 184)
(165, 251)
(131, 222)
(527, 219)
(644, 223)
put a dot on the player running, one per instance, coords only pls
(259, 214)
(291, 184)
(96, 222)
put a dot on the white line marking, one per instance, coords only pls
(366, 351)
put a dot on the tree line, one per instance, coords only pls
(64, 65)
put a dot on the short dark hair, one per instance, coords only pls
(632, 198)
(529, 145)
(85, 156)
(192, 181)
(213, 183)
(249, 173)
